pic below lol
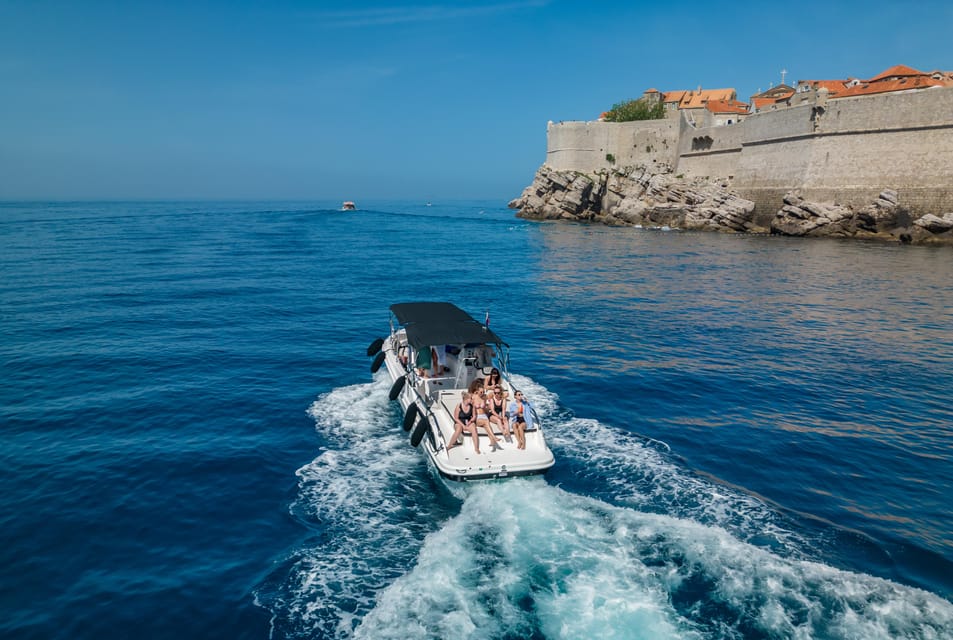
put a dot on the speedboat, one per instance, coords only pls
(347, 205)
(434, 353)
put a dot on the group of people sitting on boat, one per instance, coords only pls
(485, 404)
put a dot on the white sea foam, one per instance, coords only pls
(525, 556)
(369, 498)
(660, 553)
(638, 472)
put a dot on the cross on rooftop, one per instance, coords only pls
(783, 73)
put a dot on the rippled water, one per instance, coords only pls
(752, 434)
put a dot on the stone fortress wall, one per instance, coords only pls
(709, 151)
(584, 146)
(846, 150)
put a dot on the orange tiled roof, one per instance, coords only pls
(885, 86)
(834, 87)
(673, 96)
(781, 91)
(760, 103)
(899, 71)
(698, 99)
(727, 106)
(896, 78)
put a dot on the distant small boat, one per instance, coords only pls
(348, 206)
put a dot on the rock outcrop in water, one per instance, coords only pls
(636, 196)
(883, 219)
(655, 197)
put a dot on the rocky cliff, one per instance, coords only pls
(655, 197)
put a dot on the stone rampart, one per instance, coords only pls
(709, 152)
(588, 146)
(924, 108)
(794, 166)
(777, 151)
(844, 150)
(848, 150)
(781, 124)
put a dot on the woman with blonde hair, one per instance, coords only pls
(482, 418)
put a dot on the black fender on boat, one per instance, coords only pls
(378, 361)
(411, 416)
(422, 427)
(397, 387)
(375, 347)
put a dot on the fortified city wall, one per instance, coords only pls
(710, 151)
(845, 151)
(583, 146)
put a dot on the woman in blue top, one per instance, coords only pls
(520, 413)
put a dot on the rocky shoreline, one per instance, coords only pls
(656, 197)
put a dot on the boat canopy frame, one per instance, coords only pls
(434, 323)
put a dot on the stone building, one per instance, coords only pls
(694, 104)
(773, 98)
(899, 78)
(725, 112)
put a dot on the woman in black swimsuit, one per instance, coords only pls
(495, 406)
(493, 380)
(463, 420)
(518, 410)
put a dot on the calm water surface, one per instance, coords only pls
(753, 434)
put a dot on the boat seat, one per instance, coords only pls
(465, 368)
(498, 432)
(435, 386)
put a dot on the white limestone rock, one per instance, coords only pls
(650, 196)
(890, 196)
(935, 224)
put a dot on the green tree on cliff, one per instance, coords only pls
(635, 110)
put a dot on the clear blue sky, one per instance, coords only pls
(364, 100)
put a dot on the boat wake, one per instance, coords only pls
(369, 502)
(640, 473)
(653, 552)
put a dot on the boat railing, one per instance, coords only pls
(426, 401)
(442, 440)
(435, 426)
(537, 423)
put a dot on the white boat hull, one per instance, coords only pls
(436, 398)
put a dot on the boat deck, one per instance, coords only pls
(436, 397)
(464, 455)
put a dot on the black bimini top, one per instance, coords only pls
(433, 323)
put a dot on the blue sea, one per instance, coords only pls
(753, 435)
